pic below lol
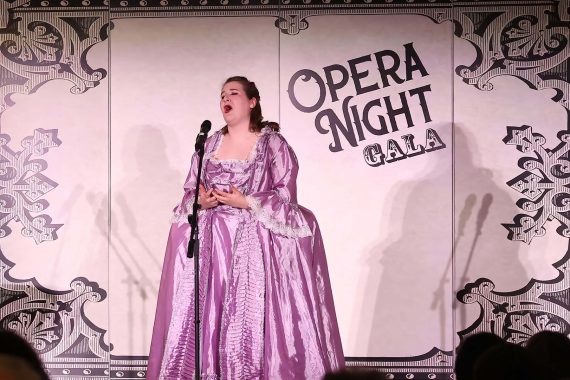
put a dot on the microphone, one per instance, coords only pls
(465, 214)
(203, 134)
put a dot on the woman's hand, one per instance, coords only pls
(206, 199)
(234, 198)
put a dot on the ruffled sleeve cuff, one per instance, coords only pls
(184, 208)
(282, 218)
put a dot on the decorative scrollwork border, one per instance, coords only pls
(39, 46)
(517, 315)
(43, 40)
(53, 321)
(525, 39)
(540, 305)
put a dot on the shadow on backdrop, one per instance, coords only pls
(416, 267)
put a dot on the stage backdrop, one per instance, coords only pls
(435, 168)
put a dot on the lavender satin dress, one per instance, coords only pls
(265, 295)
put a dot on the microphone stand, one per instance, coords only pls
(194, 246)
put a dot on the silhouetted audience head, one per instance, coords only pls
(507, 362)
(18, 359)
(552, 352)
(355, 374)
(470, 350)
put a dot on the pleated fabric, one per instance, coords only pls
(265, 298)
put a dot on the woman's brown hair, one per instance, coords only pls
(256, 122)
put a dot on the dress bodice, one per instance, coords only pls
(222, 174)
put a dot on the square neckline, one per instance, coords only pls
(250, 157)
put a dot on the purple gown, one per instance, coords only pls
(265, 295)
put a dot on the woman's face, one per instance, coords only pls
(234, 104)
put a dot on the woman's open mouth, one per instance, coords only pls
(227, 108)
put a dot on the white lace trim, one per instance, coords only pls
(179, 216)
(250, 157)
(270, 223)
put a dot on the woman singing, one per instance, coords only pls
(265, 297)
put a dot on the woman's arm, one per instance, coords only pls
(205, 199)
(184, 208)
(277, 208)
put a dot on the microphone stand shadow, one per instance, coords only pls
(132, 226)
(481, 216)
(439, 293)
(131, 279)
